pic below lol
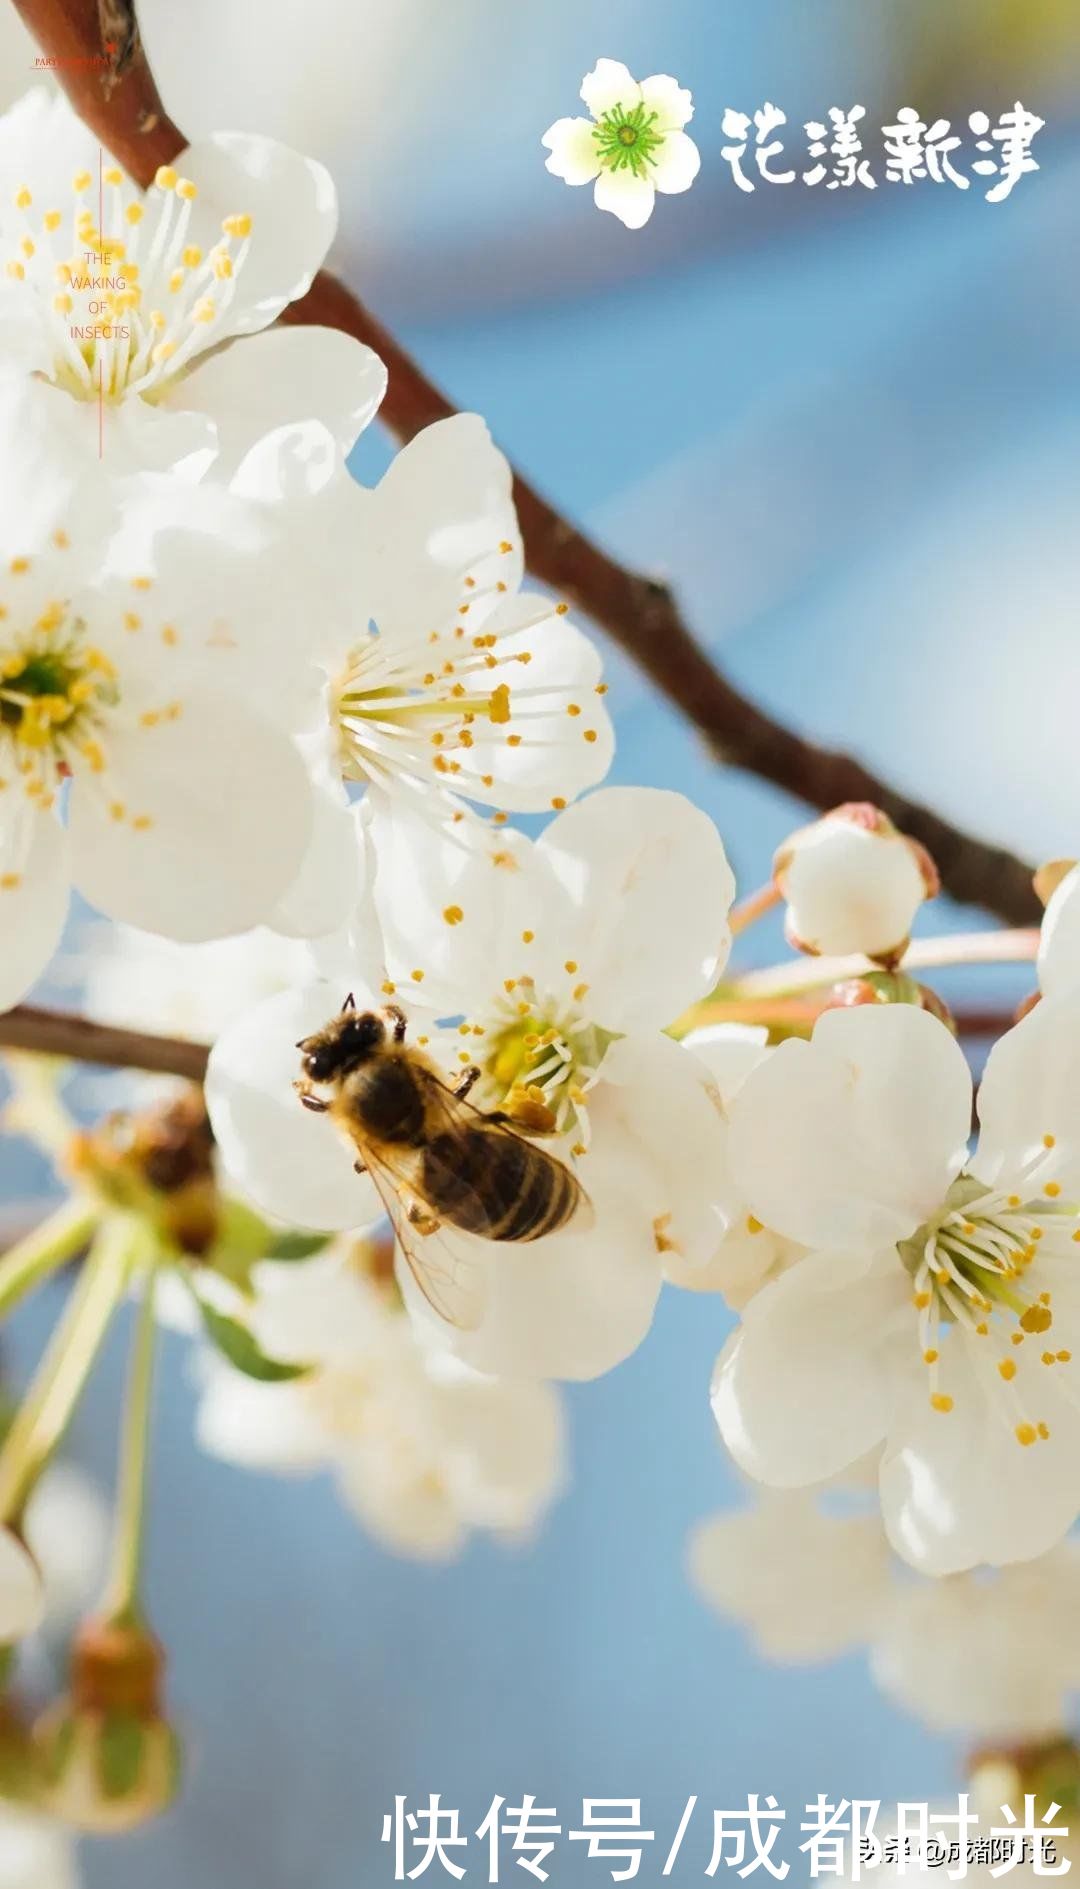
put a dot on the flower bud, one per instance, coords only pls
(159, 1163)
(108, 1758)
(22, 1590)
(888, 987)
(853, 883)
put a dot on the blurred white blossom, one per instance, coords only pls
(425, 1450)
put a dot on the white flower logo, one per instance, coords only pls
(633, 144)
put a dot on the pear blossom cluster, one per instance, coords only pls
(278, 730)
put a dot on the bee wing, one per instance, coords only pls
(458, 1113)
(452, 1285)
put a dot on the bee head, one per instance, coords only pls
(349, 1040)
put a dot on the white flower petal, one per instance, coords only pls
(258, 1426)
(574, 153)
(22, 1590)
(505, 1445)
(35, 881)
(37, 1852)
(41, 137)
(52, 485)
(438, 515)
(994, 1657)
(852, 1139)
(291, 1162)
(648, 873)
(627, 196)
(810, 1585)
(731, 1051)
(281, 377)
(1059, 942)
(318, 1311)
(672, 103)
(803, 1389)
(227, 802)
(494, 884)
(327, 885)
(675, 164)
(660, 1099)
(1028, 1098)
(958, 1489)
(747, 1258)
(222, 586)
(557, 737)
(68, 1529)
(293, 204)
(610, 83)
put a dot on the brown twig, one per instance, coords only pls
(120, 102)
(59, 1033)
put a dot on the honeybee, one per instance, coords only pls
(435, 1159)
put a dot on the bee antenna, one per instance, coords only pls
(350, 1002)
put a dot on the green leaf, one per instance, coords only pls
(295, 1245)
(236, 1343)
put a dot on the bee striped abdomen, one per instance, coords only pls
(497, 1185)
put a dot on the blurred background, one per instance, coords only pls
(845, 425)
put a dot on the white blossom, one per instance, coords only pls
(993, 1653)
(429, 672)
(996, 1654)
(939, 1310)
(808, 1584)
(553, 967)
(131, 700)
(852, 884)
(121, 298)
(633, 143)
(425, 1450)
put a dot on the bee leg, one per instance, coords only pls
(360, 1167)
(467, 1079)
(313, 1102)
(399, 1020)
(417, 1217)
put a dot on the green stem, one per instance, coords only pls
(58, 1239)
(45, 1412)
(121, 1598)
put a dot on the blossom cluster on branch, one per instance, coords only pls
(473, 1096)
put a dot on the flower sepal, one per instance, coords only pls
(108, 1758)
(889, 987)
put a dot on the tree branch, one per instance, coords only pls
(119, 101)
(62, 1033)
(59, 1033)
